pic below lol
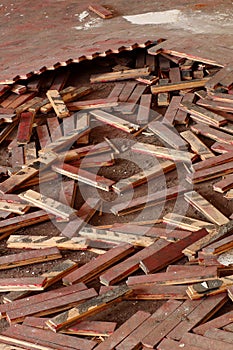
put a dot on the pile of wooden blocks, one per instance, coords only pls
(184, 106)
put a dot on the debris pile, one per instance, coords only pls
(173, 112)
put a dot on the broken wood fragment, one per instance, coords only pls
(100, 10)
(206, 208)
(123, 75)
(92, 306)
(58, 104)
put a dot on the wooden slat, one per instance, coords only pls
(68, 94)
(49, 204)
(200, 314)
(170, 136)
(205, 343)
(86, 328)
(212, 236)
(220, 246)
(210, 173)
(217, 322)
(144, 176)
(17, 158)
(48, 307)
(126, 91)
(67, 140)
(123, 75)
(84, 176)
(114, 121)
(157, 334)
(220, 335)
(163, 152)
(169, 254)
(224, 185)
(144, 109)
(92, 306)
(149, 200)
(15, 180)
(203, 115)
(172, 109)
(100, 10)
(131, 325)
(58, 104)
(167, 344)
(40, 242)
(116, 90)
(89, 104)
(211, 133)
(25, 128)
(131, 105)
(26, 302)
(197, 145)
(133, 340)
(211, 287)
(186, 222)
(24, 283)
(89, 271)
(212, 162)
(206, 208)
(116, 236)
(43, 135)
(29, 257)
(172, 278)
(130, 265)
(30, 153)
(159, 292)
(54, 128)
(195, 83)
(41, 339)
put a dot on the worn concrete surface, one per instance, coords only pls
(39, 34)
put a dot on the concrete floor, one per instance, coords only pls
(38, 35)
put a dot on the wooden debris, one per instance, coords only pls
(123, 75)
(100, 10)
(170, 136)
(144, 109)
(92, 269)
(83, 176)
(116, 236)
(172, 278)
(50, 306)
(212, 133)
(144, 176)
(33, 338)
(206, 208)
(197, 145)
(89, 104)
(114, 121)
(94, 305)
(25, 128)
(40, 242)
(48, 204)
(149, 200)
(187, 223)
(211, 287)
(195, 83)
(131, 325)
(24, 283)
(220, 246)
(86, 328)
(163, 152)
(58, 103)
(29, 257)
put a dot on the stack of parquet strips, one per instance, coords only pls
(184, 105)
